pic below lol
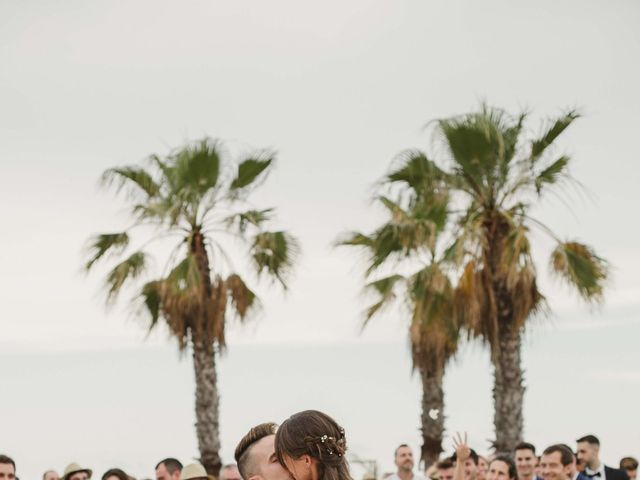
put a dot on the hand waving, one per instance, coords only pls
(463, 452)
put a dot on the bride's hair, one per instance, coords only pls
(318, 435)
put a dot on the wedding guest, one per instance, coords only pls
(589, 454)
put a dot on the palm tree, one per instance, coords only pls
(410, 237)
(494, 175)
(198, 197)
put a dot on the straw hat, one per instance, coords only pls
(193, 471)
(75, 468)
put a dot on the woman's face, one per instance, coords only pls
(303, 468)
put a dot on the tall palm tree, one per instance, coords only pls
(495, 173)
(197, 196)
(408, 238)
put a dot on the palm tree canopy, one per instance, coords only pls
(199, 196)
(491, 174)
(407, 240)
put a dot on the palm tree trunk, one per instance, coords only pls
(432, 429)
(508, 390)
(204, 358)
(207, 402)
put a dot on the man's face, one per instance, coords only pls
(7, 472)
(525, 463)
(404, 458)
(163, 474)
(82, 475)
(552, 468)
(268, 467)
(230, 473)
(470, 469)
(587, 453)
(51, 475)
(446, 473)
(633, 474)
(498, 470)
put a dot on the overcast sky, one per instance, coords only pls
(337, 88)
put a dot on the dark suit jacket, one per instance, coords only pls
(615, 474)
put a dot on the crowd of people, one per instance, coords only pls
(310, 445)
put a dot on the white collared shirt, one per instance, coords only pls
(589, 472)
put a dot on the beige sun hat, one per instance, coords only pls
(74, 468)
(193, 471)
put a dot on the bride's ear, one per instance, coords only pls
(307, 460)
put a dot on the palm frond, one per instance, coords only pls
(556, 128)
(100, 244)
(243, 299)
(131, 175)
(581, 268)
(151, 295)
(431, 292)
(384, 289)
(417, 172)
(511, 137)
(250, 217)
(354, 239)
(195, 169)
(275, 253)
(250, 170)
(128, 269)
(552, 173)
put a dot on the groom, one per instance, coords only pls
(256, 455)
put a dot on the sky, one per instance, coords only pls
(337, 89)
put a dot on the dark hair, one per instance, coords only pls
(509, 462)
(569, 448)
(472, 455)
(242, 454)
(171, 464)
(444, 464)
(118, 473)
(402, 445)
(318, 435)
(592, 439)
(629, 463)
(566, 455)
(9, 460)
(525, 446)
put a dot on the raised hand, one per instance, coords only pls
(463, 452)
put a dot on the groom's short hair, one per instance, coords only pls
(246, 463)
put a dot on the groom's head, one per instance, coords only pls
(256, 455)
